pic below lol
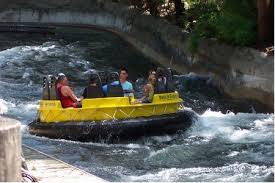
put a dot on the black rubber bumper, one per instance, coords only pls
(114, 131)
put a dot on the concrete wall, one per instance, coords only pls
(239, 72)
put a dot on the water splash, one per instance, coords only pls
(4, 106)
(240, 127)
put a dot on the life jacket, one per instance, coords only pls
(66, 101)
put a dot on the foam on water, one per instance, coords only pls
(4, 106)
(233, 153)
(241, 127)
(24, 112)
(155, 153)
(20, 56)
(234, 172)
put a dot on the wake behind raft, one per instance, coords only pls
(109, 119)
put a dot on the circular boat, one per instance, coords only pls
(109, 119)
(114, 130)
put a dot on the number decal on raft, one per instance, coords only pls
(168, 97)
(48, 104)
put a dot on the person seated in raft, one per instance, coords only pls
(148, 90)
(66, 94)
(161, 82)
(126, 85)
(85, 91)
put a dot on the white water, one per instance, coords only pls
(229, 173)
(240, 127)
(210, 127)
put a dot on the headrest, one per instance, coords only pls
(160, 72)
(103, 76)
(113, 76)
(94, 76)
(164, 72)
(45, 81)
(52, 80)
(169, 74)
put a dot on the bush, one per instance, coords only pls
(227, 20)
(193, 42)
(234, 29)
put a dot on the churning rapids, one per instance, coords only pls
(230, 141)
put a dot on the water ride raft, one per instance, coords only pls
(109, 119)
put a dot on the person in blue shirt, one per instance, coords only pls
(126, 85)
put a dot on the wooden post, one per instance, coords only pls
(10, 150)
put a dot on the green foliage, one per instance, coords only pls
(231, 21)
(233, 29)
(193, 42)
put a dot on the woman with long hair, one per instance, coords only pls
(148, 90)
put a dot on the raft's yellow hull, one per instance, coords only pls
(101, 109)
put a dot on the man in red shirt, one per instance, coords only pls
(66, 94)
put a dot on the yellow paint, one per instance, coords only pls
(109, 108)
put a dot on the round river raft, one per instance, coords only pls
(109, 119)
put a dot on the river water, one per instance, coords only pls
(230, 140)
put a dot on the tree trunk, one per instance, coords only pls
(137, 3)
(179, 8)
(265, 16)
(153, 7)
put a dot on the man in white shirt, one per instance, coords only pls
(126, 85)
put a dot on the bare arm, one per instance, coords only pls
(146, 89)
(67, 91)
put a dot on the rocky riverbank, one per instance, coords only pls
(241, 73)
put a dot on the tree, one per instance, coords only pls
(179, 9)
(265, 21)
(153, 5)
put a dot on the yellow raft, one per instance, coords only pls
(112, 119)
(111, 108)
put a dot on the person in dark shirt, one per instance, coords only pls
(161, 82)
(92, 83)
